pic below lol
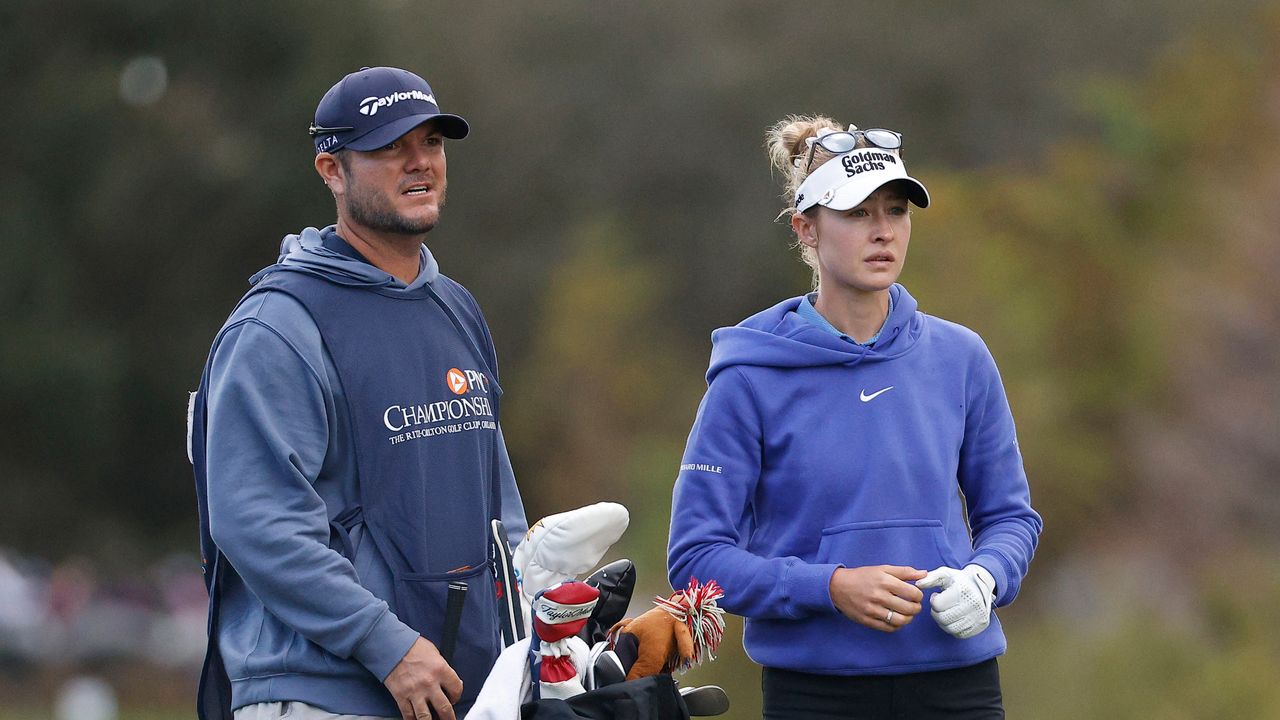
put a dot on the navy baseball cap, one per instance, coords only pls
(372, 107)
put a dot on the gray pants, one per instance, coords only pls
(292, 711)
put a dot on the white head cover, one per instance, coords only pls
(563, 546)
(844, 181)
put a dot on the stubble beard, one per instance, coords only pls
(367, 207)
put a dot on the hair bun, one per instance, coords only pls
(785, 142)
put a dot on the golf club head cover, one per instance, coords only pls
(682, 631)
(563, 546)
(662, 642)
(963, 606)
(559, 613)
(616, 582)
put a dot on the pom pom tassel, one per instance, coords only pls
(696, 607)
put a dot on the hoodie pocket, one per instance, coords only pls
(916, 543)
(278, 648)
(421, 600)
(919, 646)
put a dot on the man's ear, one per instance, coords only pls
(806, 229)
(330, 171)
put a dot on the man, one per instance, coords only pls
(346, 444)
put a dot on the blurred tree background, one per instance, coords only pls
(1105, 178)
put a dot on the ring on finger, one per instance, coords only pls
(888, 619)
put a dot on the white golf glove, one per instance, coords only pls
(963, 607)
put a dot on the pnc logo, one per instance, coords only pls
(457, 381)
(461, 382)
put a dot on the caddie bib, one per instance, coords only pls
(416, 370)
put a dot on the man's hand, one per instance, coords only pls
(963, 608)
(424, 683)
(880, 597)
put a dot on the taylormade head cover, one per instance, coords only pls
(963, 607)
(559, 613)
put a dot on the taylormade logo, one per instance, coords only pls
(555, 613)
(370, 105)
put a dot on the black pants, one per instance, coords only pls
(968, 693)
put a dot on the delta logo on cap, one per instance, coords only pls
(373, 107)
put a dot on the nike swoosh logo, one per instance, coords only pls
(864, 397)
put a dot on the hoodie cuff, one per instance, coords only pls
(385, 646)
(993, 565)
(810, 588)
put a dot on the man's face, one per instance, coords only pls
(398, 188)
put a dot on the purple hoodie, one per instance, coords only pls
(810, 453)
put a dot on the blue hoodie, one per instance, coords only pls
(298, 620)
(810, 453)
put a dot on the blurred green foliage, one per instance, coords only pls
(1105, 180)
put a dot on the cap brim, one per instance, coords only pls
(451, 126)
(852, 194)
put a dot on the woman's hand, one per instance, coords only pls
(880, 597)
(963, 608)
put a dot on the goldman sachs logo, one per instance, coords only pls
(467, 405)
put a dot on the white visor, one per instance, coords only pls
(844, 181)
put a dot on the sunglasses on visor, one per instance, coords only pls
(842, 141)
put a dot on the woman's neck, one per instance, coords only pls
(856, 313)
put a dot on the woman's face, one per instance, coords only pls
(861, 249)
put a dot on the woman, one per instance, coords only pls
(851, 453)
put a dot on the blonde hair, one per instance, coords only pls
(785, 143)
